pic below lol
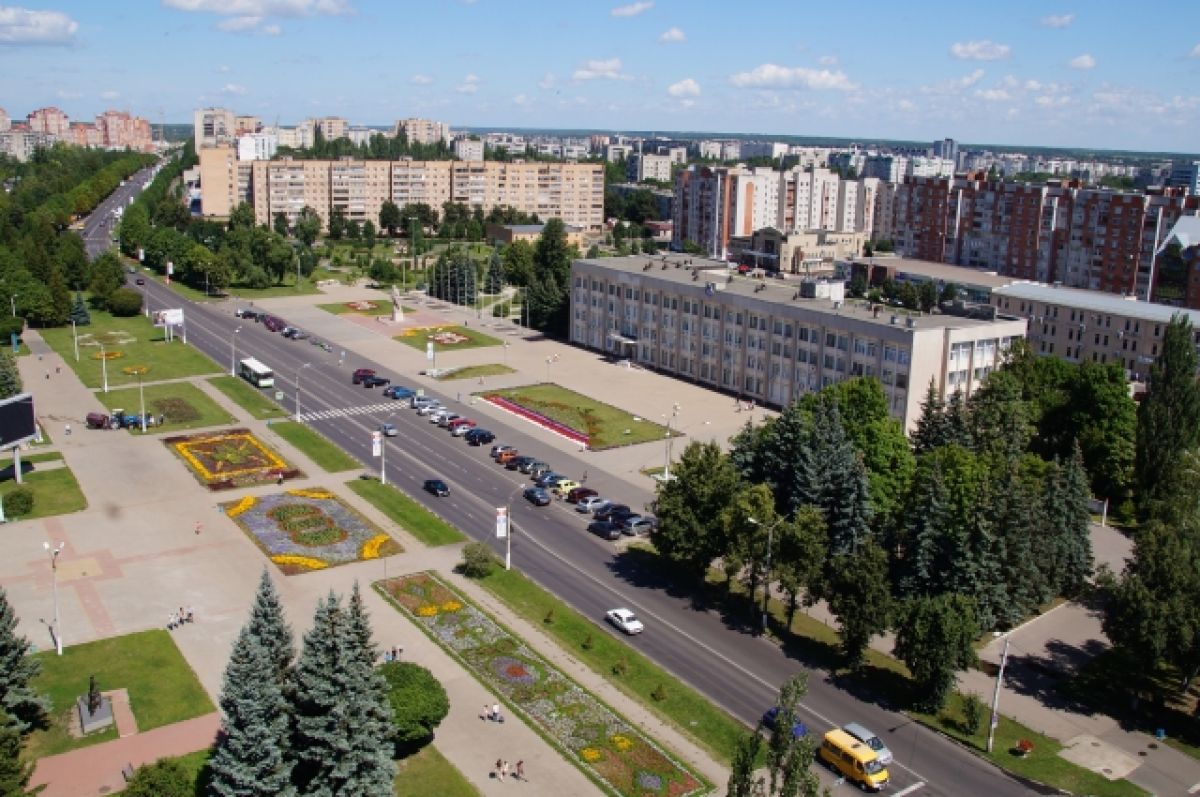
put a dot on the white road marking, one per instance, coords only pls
(1194, 789)
(910, 789)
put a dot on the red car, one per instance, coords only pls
(577, 494)
(360, 374)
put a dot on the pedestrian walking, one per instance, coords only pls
(58, 369)
(496, 713)
(499, 771)
(162, 418)
(520, 770)
(504, 771)
(67, 430)
(487, 712)
(199, 526)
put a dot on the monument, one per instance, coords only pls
(397, 310)
(95, 710)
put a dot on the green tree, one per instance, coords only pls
(552, 255)
(308, 226)
(135, 229)
(14, 772)
(10, 375)
(107, 275)
(389, 217)
(747, 524)
(1168, 417)
(548, 302)
(860, 597)
(337, 224)
(931, 430)
(164, 778)
(72, 260)
(741, 769)
(125, 302)
(934, 638)
(60, 301)
(518, 263)
(1067, 524)
(369, 234)
(242, 216)
(478, 560)
(418, 700)
(493, 281)
(790, 759)
(268, 626)
(1015, 507)
(800, 556)
(18, 670)
(79, 316)
(879, 439)
(999, 417)
(704, 485)
(280, 224)
(835, 480)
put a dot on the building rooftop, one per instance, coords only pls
(943, 272)
(1095, 301)
(678, 269)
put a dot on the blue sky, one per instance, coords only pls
(1088, 73)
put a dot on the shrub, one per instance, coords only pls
(972, 713)
(419, 702)
(549, 618)
(588, 643)
(501, 310)
(10, 326)
(659, 694)
(478, 560)
(165, 778)
(620, 667)
(125, 303)
(18, 503)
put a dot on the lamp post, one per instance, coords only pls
(298, 370)
(508, 532)
(75, 340)
(383, 449)
(12, 301)
(666, 477)
(54, 551)
(767, 577)
(104, 366)
(233, 352)
(432, 353)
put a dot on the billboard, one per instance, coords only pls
(168, 318)
(17, 421)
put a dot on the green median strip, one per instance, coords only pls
(321, 451)
(418, 521)
(249, 398)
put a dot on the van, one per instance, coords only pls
(853, 760)
(870, 740)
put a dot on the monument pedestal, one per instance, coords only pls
(97, 721)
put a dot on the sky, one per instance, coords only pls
(1103, 74)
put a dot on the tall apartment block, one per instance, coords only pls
(772, 340)
(213, 127)
(422, 131)
(1060, 232)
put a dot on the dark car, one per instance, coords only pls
(623, 516)
(547, 479)
(608, 512)
(359, 374)
(537, 496)
(375, 381)
(576, 494)
(273, 323)
(799, 729)
(516, 462)
(243, 312)
(479, 437)
(294, 333)
(437, 487)
(605, 530)
(399, 392)
(140, 281)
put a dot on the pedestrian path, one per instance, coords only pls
(345, 412)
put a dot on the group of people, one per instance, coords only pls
(393, 655)
(176, 619)
(492, 713)
(503, 771)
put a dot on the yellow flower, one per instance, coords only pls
(316, 493)
(622, 743)
(273, 461)
(371, 548)
(307, 562)
(428, 610)
(451, 606)
(591, 754)
(241, 506)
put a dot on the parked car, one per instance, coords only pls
(375, 381)
(294, 333)
(619, 516)
(530, 465)
(547, 479)
(538, 468)
(625, 620)
(799, 729)
(536, 496)
(640, 527)
(429, 407)
(437, 487)
(389, 430)
(577, 494)
(241, 312)
(360, 374)
(398, 392)
(516, 462)
(462, 429)
(500, 448)
(607, 512)
(479, 437)
(445, 419)
(98, 420)
(605, 529)
(589, 504)
(563, 486)
(504, 456)
(417, 402)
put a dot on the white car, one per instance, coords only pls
(590, 503)
(625, 620)
(389, 429)
(427, 409)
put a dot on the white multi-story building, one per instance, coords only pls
(468, 149)
(763, 149)
(615, 153)
(709, 150)
(257, 146)
(5, 121)
(774, 341)
(213, 127)
(640, 166)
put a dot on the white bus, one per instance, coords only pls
(256, 373)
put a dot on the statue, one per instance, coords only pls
(93, 696)
(397, 311)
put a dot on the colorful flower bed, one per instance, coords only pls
(303, 530)
(536, 417)
(604, 745)
(235, 458)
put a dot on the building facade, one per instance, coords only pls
(640, 166)
(468, 149)
(422, 131)
(767, 340)
(213, 127)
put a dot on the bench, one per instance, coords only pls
(127, 772)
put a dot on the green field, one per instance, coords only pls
(184, 406)
(605, 425)
(316, 447)
(55, 491)
(477, 372)
(418, 521)
(248, 397)
(129, 343)
(382, 307)
(418, 337)
(427, 773)
(162, 687)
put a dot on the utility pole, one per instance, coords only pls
(996, 697)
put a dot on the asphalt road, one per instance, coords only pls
(717, 655)
(98, 228)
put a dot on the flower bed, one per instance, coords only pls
(303, 530)
(536, 417)
(235, 458)
(603, 744)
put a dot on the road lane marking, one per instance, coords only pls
(1194, 789)
(918, 785)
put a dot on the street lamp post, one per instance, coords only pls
(508, 535)
(298, 370)
(142, 396)
(383, 449)
(12, 300)
(104, 366)
(54, 551)
(667, 462)
(233, 352)
(767, 578)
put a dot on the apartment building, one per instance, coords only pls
(257, 146)
(50, 121)
(213, 127)
(1186, 174)
(331, 127)
(774, 341)
(422, 131)
(21, 143)
(414, 182)
(468, 149)
(640, 166)
(220, 181)
(1098, 239)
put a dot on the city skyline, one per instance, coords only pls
(1025, 74)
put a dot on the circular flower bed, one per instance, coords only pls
(513, 670)
(107, 355)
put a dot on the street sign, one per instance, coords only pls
(501, 522)
(376, 444)
(429, 351)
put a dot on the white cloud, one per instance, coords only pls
(66, 94)
(827, 60)
(1046, 101)
(271, 30)
(233, 88)
(547, 82)
(222, 69)
(1085, 61)
(521, 100)
(262, 8)
(1195, 52)
(238, 24)
(470, 85)
(23, 26)
(1058, 20)
(109, 95)
(982, 50)
(609, 68)
(993, 95)
(632, 10)
(906, 105)
(955, 85)
(684, 88)
(421, 80)
(798, 77)
(673, 35)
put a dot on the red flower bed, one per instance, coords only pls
(539, 419)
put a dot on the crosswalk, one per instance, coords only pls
(346, 412)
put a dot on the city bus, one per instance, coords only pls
(256, 373)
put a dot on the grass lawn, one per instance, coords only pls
(162, 687)
(418, 521)
(248, 397)
(382, 307)
(316, 447)
(128, 342)
(55, 492)
(476, 371)
(184, 405)
(687, 710)
(418, 337)
(427, 773)
(605, 425)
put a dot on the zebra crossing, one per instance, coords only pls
(346, 412)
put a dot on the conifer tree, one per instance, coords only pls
(269, 627)
(360, 627)
(1067, 522)
(835, 480)
(14, 773)
(931, 426)
(17, 671)
(79, 312)
(493, 281)
(1017, 519)
(10, 376)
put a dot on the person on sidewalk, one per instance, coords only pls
(504, 771)
(520, 773)
(499, 770)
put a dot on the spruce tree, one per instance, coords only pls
(14, 773)
(1067, 522)
(836, 481)
(250, 756)
(268, 626)
(931, 426)
(1168, 417)
(79, 316)
(10, 376)
(360, 627)
(1017, 519)
(17, 671)
(493, 282)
